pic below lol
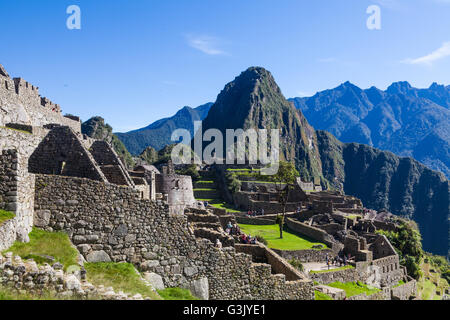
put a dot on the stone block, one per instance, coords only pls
(155, 280)
(98, 256)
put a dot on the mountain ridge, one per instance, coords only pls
(158, 134)
(402, 119)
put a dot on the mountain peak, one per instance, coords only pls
(437, 87)
(402, 87)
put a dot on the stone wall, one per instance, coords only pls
(21, 103)
(310, 232)
(390, 270)
(305, 256)
(179, 189)
(17, 196)
(109, 222)
(244, 202)
(110, 163)
(346, 275)
(381, 295)
(404, 291)
(16, 184)
(381, 248)
(254, 220)
(61, 152)
(18, 274)
(260, 252)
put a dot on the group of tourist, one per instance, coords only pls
(244, 239)
(254, 213)
(233, 229)
(340, 260)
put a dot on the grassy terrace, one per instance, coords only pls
(45, 246)
(124, 277)
(354, 288)
(42, 244)
(291, 240)
(5, 216)
(119, 276)
(219, 203)
(18, 130)
(430, 283)
(400, 283)
(332, 270)
(321, 296)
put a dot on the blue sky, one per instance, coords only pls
(136, 61)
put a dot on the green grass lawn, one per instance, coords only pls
(354, 288)
(332, 270)
(124, 277)
(119, 276)
(271, 233)
(219, 203)
(176, 294)
(5, 216)
(427, 289)
(22, 131)
(353, 216)
(54, 244)
(321, 296)
(400, 283)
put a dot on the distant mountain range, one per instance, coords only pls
(408, 121)
(158, 134)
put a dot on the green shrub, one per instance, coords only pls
(296, 264)
(261, 239)
(234, 184)
(191, 171)
(407, 241)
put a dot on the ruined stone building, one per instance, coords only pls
(52, 177)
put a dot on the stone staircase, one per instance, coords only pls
(207, 225)
(205, 188)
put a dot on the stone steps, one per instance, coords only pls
(204, 185)
(206, 194)
(207, 225)
(212, 235)
(209, 218)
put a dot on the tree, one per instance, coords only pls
(284, 181)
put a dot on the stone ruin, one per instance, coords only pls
(53, 177)
(343, 224)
